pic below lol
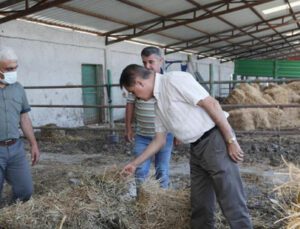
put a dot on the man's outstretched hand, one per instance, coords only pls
(129, 169)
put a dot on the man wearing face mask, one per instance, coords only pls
(14, 110)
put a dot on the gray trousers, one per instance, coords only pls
(14, 168)
(215, 176)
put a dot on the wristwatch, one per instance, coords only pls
(231, 140)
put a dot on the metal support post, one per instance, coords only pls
(112, 138)
(211, 80)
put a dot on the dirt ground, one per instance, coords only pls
(91, 150)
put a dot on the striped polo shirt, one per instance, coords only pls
(144, 115)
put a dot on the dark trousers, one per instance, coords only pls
(215, 176)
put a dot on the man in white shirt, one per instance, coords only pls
(184, 108)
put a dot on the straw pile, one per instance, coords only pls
(287, 202)
(265, 118)
(100, 201)
(157, 211)
(48, 133)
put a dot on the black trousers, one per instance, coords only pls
(215, 176)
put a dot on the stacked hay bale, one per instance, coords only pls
(100, 201)
(265, 118)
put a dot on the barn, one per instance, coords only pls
(71, 54)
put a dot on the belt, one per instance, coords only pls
(8, 142)
(205, 135)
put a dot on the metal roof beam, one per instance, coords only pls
(254, 48)
(281, 54)
(167, 22)
(106, 18)
(272, 27)
(147, 9)
(262, 53)
(42, 5)
(9, 3)
(228, 23)
(229, 34)
(242, 45)
(266, 52)
(274, 46)
(292, 12)
(232, 31)
(289, 54)
(209, 41)
(91, 14)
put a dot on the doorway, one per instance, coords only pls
(92, 74)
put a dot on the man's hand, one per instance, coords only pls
(235, 152)
(35, 154)
(129, 136)
(129, 169)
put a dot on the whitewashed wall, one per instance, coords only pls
(52, 56)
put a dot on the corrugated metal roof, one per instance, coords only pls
(217, 28)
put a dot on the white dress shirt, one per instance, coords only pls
(177, 94)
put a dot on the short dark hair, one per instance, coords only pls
(151, 50)
(130, 73)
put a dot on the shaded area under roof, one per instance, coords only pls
(227, 30)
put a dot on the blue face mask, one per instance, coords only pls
(9, 77)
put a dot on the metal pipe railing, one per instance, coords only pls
(227, 106)
(269, 132)
(238, 132)
(252, 81)
(234, 106)
(69, 86)
(204, 82)
(77, 106)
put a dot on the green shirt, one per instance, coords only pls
(144, 115)
(13, 102)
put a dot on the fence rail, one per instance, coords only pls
(204, 82)
(228, 106)
(238, 132)
(225, 106)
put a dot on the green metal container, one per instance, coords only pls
(267, 68)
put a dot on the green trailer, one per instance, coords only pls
(267, 68)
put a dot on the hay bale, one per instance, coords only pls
(248, 94)
(290, 118)
(255, 118)
(284, 93)
(295, 86)
(279, 94)
(241, 119)
(265, 118)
